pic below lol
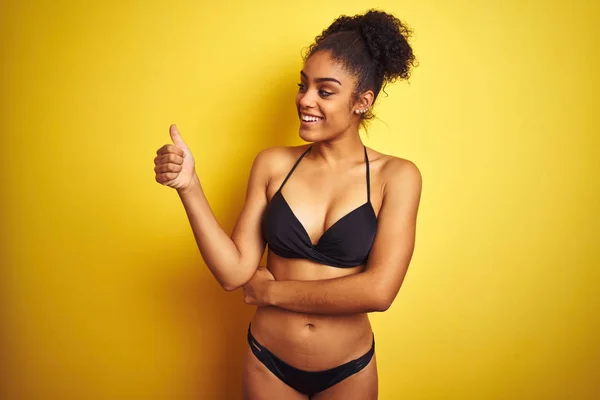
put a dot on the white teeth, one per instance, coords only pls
(308, 118)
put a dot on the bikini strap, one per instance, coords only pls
(293, 168)
(368, 176)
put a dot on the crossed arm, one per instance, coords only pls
(234, 260)
(376, 287)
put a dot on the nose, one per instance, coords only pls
(306, 99)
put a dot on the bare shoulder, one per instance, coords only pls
(279, 158)
(274, 161)
(398, 174)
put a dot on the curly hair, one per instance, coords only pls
(373, 47)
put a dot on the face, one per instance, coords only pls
(325, 101)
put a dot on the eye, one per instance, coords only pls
(324, 93)
(302, 87)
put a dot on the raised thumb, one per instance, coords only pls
(176, 137)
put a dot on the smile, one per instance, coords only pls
(309, 118)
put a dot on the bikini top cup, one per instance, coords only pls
(345, 244)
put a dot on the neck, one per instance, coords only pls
(342, 150)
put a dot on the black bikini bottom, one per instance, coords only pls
(308, 382)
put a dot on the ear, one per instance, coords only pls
(364, 102)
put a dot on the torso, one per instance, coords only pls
(319, 196)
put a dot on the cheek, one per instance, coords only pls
(337, 112)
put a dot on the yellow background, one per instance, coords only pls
(103, 292)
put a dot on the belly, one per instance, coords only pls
(311, 342)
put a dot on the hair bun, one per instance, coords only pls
(386, 38)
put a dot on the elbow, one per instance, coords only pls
(234, 278)
(381, 302)
(229, 287)
(382, 297)
(233, 284)
(383, 294)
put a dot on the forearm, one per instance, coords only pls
(358, 293)
(218, 250)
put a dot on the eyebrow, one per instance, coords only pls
(319, 80)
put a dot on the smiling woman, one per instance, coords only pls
(340, 238)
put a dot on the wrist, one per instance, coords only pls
(194, 185)
(271, 294)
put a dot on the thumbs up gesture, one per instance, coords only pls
(175, 163)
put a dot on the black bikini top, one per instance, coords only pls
(344, 244)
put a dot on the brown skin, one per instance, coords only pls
(312, 316)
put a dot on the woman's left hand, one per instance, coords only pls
(255, 291)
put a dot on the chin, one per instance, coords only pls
(309, 135)
(316, 135)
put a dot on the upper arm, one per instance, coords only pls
(247, 234)
(395, 238)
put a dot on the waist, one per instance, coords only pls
(312, 342)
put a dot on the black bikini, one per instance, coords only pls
(345, 244)
(308, 382)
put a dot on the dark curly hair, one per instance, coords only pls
(373, 47)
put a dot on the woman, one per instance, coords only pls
(339, 220)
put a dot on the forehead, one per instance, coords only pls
(321, 65)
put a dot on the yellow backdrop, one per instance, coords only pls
(103, 292)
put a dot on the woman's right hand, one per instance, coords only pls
(175, 163)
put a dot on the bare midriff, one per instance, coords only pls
(312, 342)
